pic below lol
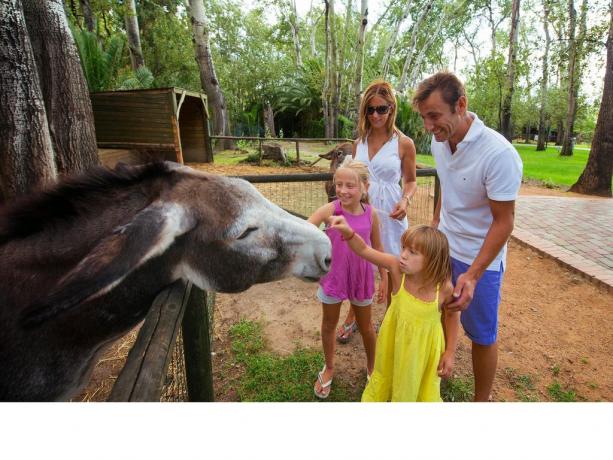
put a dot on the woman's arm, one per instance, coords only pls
(451, 326)
(406, 151)
(322, 214)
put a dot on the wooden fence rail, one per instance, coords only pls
(296, 140)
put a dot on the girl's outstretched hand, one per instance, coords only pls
(339, 223)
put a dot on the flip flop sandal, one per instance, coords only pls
(325, 387)
(345, 332)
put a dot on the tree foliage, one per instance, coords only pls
(255, 53)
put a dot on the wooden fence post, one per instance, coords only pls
(297, 153)
(197, 333)
(260, 150)
(437, 192)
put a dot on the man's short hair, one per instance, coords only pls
(447, 83)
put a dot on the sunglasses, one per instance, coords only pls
(380, 109)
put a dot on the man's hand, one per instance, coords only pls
(445, 365)
(462, 293)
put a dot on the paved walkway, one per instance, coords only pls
(578, 232)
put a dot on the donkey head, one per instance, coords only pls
(336, 157)
(219, 233)
(256, 240)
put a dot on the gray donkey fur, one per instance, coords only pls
(81, 262)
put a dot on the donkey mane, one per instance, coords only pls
(31, 214)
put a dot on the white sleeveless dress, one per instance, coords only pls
(385, 190)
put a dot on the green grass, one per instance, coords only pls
(547, 167)
(555, 370)
(270, 377)
(551, 168)
(560, 394)
(523, 385)
(457, 389)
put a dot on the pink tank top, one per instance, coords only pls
(350, 276)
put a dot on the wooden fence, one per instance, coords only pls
(296, 140)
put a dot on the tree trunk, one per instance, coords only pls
(411, 51)
(269, 120)
(293, 22)
(560, 132)
(597, 175)
(67, 102)
(27, 153)
(506, 126)
(392, 42)
(573, 75)
(329, 99)
(341, 57)
(312, 37)
(131, 20)
(544, 80)
(88, 15)
(208, 77)
(493, 27)
(335, 74)
(359, 68)
(421, 55)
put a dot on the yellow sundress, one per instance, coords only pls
(410, 343)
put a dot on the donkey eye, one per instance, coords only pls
(247, 232)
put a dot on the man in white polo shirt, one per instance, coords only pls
(480, 174)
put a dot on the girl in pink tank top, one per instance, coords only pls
(350, 277)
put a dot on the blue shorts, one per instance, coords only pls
(480, 319)
(321, 295)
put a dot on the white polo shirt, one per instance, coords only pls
(484, 166)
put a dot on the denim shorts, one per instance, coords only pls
(332, 300)
(480, 319)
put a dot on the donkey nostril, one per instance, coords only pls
(327, 262)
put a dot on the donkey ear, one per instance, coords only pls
(150, 233)
(328, 155)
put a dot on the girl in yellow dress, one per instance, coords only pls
(416, 343)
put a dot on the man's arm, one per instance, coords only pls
(503, 213)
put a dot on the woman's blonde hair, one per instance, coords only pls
(385, 91)
(433, 244)
(360, 170)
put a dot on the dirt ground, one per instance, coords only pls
(555, 326)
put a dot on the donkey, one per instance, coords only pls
(81, 263)
(336, 157)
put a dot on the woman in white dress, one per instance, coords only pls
(390, 156)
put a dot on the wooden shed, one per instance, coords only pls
(141, 125)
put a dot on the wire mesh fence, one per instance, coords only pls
(175, 384)
(302, 194)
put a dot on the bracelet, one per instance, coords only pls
(347, 239)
